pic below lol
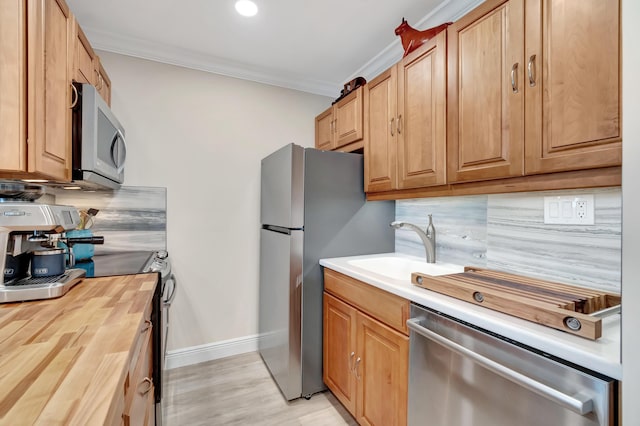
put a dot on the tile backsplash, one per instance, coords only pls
(507, 232)
(130, 219)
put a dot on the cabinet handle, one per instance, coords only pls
(514, 78)
(531, 69)
(356, 368)
(148, 325)
(351, 361)
(335, 126)
(75, 96)
(400, 124)
(391, 126)
(149, 383)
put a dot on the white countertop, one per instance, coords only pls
(602, 355)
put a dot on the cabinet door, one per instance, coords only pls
(83, 57)
(13, 63)
(103, 83)
(347, 114)
(573, 85)
(324, 130)
(339, 337)
(382, 374)
(421, 121)
(140, 392)
(49, 88)
(485, 98)
(380, 137)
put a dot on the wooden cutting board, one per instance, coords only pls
(561, 306)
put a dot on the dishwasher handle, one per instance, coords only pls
(580, 404)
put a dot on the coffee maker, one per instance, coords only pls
(27, 227)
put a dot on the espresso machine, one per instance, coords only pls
(28, 228)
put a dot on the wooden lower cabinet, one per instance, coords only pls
(339, 350)
(139, 406)
(382, 373)
(365, 363)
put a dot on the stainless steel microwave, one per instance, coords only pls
(99, 147)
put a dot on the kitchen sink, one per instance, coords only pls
(400, 268)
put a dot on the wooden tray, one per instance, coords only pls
(561, 306)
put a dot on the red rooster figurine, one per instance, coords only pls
(412, 38)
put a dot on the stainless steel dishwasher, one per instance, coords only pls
(460, 375)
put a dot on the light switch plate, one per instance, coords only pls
(569, 210)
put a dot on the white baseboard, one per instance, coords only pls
(202, 353)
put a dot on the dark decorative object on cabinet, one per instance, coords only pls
(412, 38)
(350, 87)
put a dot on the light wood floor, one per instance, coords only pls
(240, 391)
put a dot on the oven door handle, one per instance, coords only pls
(580, 404)
(174, 283)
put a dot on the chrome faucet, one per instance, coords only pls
(428, 238)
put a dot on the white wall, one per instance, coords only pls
(202, 136)
(630, 213)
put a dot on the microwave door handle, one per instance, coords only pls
(119, 150)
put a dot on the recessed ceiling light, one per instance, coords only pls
(246, 7)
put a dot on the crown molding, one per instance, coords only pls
(144, 49)
(448, 10)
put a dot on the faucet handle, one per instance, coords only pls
(431, 230)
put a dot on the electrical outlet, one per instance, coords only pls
(581, 209)
(569, 210)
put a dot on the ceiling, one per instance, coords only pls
(313, 46)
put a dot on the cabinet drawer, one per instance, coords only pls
(385, 307)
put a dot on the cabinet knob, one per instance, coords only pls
(149, 383)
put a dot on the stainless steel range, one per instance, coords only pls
(159, 262)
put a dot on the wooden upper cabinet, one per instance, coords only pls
(486, 93)
(86, 64)
(347, 115)
(103, 82)
(83, 57)
(421, 121)
(13, 101)
(572, 86)
(324, 130)
(405, 110)
(342, 123)
(380, 132)
(541, 101)
(49, 39)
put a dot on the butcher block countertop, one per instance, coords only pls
(65, 360)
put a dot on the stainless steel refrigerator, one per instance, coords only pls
(312, 206)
